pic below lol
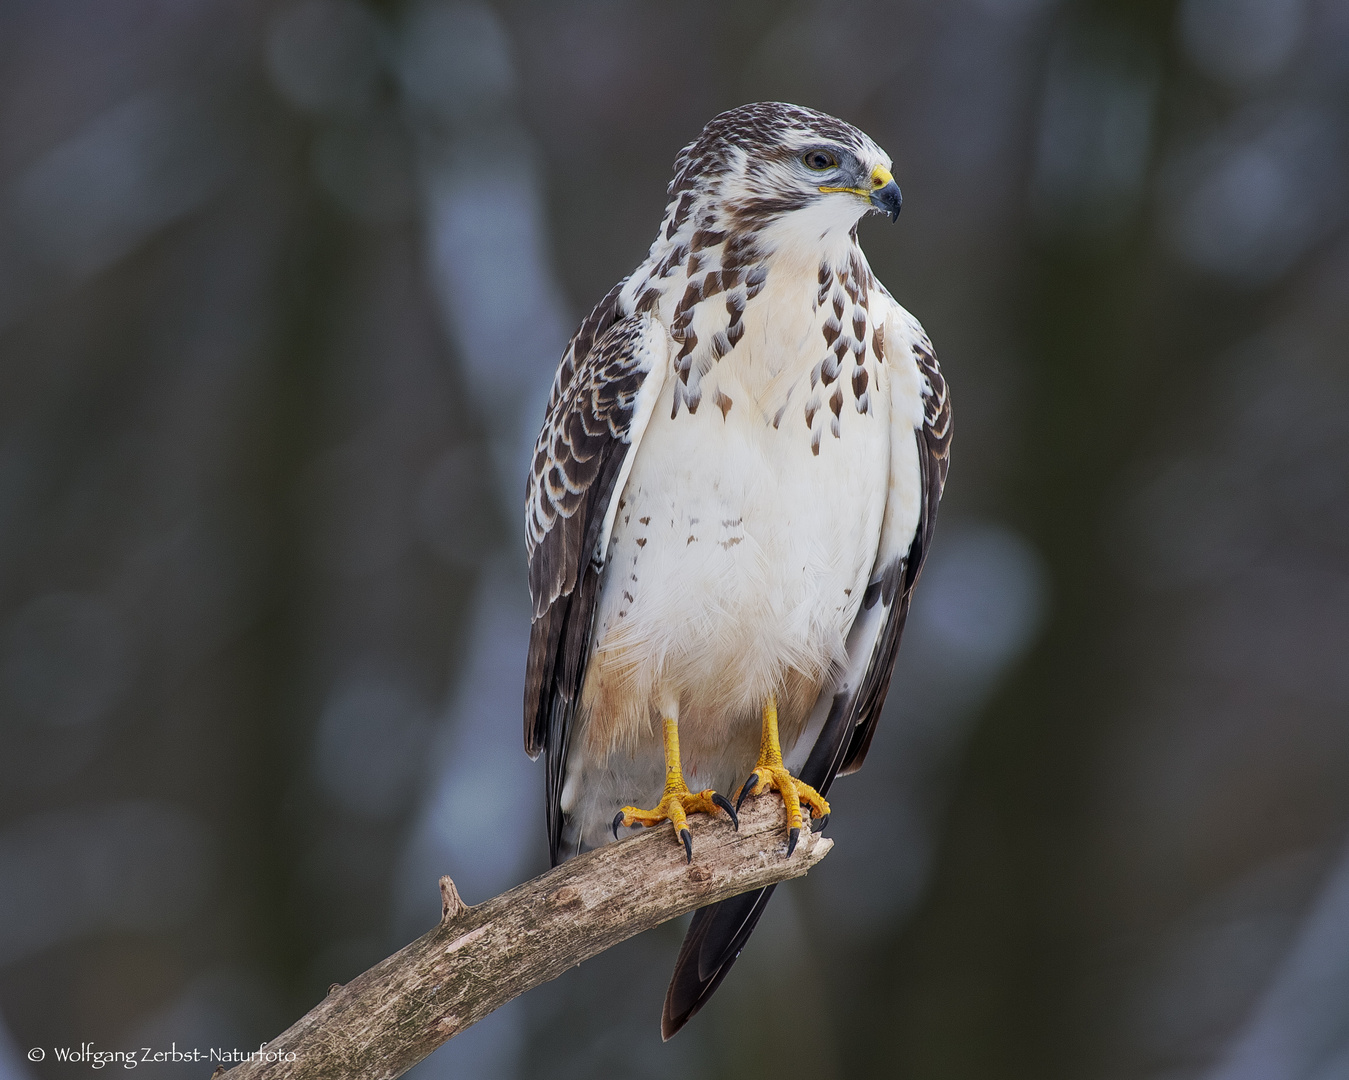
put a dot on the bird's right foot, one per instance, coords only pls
(674, 807)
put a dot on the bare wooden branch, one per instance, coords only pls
(385, 1021)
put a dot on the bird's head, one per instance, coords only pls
(782, 171)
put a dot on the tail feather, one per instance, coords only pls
(718, 932)
(714, 940)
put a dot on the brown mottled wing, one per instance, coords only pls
(846, 714)
(934, 449)
(603, 396)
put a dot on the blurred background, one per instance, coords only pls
(282, 286)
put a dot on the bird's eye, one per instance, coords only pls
(819, 160)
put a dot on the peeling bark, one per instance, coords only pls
(478, 958)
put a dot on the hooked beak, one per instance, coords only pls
(881, 190)
(885, 195)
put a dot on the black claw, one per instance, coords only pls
(792, 838)
(687, 837)
(818, 824)
(618, 820)
(753, 779)
(718, 799)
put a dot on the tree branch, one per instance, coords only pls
(385, 1021)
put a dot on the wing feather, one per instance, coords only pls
(603, 396)
(896, 582)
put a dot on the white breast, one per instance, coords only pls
(744, 540)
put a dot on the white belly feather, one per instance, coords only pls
(737, 563)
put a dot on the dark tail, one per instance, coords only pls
(718, 932)
(715, 938)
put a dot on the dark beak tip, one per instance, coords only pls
(888, 200)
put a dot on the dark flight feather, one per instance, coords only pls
(580, 452)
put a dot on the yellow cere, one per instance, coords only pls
(880, 176)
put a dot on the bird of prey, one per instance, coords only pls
(730, 502)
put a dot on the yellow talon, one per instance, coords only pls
(771, 775)
(678, 801)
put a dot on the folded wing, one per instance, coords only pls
(602, 399)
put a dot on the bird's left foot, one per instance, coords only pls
(795, 794)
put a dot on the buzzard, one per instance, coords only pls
(730, 502)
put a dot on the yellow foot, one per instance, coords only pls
(794, 792)
(675, 808)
